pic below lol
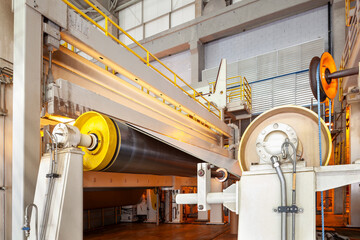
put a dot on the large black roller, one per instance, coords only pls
(121, 148)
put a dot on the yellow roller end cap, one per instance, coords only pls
(104, 128)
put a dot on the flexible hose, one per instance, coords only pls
(276, 165)
(27, 222)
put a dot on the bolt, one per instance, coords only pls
(275, 210)
(201, 207)
(301, 210)
(201, 173)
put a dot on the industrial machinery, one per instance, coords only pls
(139, 120)
(279, 157)
(284, 154)
(105, 145)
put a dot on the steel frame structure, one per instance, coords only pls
(29, 58)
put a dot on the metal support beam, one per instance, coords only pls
(26, 123)
(204, 185)
(216, 212)
(197, 60)
(329, 177)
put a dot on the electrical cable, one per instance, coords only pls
(320, 153)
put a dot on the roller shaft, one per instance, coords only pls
(344, 73)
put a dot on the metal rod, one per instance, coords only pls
(293, 197)
(344, 73)
(276, 165)
(4, 177)
(50, 187)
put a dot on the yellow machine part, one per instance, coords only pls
(327, 63)
(105, 130)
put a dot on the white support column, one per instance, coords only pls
(216, 212)
(26, 124)
(203, 185)
(355, 156)
(203, 188)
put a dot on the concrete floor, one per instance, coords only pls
(150, 231)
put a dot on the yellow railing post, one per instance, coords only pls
(147, 58)
(106, 27)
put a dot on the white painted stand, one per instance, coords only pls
(66, 209)
(256, 196)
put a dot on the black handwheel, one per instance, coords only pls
(315, 61)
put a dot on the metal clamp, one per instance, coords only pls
(52, 175)
(289, 209)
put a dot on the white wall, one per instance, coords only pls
(284, 33)
(180, 63)
(277, 78)
(149, 17)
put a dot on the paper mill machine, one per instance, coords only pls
(132, 117)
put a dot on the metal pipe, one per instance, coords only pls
(344, 73)
(26, 226)
(4, 177)
(276, 165)
(211, 198)
(50, 187)
(50, 77)
(293, 197)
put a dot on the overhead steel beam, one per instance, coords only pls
(100, 90)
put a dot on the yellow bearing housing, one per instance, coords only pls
(106, 131)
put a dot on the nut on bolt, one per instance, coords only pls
(201, 207)
(201, 173)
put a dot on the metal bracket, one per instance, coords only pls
(289, 209)
(52, 34)
(203, 183)
(52, 175)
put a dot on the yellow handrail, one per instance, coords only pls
(208, 105)
(241, 92)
